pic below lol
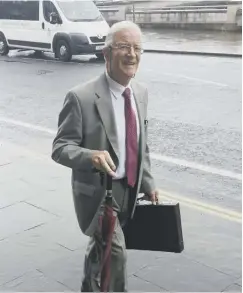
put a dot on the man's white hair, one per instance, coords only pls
(120, 26)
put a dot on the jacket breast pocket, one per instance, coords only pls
(145, 127)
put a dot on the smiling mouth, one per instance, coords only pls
(130, 63)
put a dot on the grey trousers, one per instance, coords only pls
(92, 263)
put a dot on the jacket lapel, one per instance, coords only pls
(106, 112)
(138, 94)
(140, 109)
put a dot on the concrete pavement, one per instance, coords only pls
(42, 248)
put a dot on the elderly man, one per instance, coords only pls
(103, 126)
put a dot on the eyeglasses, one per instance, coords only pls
(125, 47)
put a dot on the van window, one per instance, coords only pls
(19, 10)
(48, 8)
(80, 10)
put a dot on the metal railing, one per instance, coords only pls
(169, 11)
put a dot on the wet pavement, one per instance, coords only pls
(193, 41)
(194, 123)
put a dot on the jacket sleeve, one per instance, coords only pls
(66, 148)
(147, 183)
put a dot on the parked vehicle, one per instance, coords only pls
(65, 27)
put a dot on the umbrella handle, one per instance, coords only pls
(108, 186)
(108, 183)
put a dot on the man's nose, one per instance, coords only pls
(131, 51)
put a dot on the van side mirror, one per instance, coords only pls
(54, 18)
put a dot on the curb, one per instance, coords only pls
(210, 54)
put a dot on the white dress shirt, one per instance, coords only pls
(118, 103)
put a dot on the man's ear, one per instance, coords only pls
(107, 52)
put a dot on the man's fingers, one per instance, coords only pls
(153, 199)
(103, 162)
(96, 162)
(106, 167)
(109, 161)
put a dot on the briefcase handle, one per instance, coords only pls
(146, 198)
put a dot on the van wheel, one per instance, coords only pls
(38, 54)
(100, 56)
(63, 51)
(4, 49)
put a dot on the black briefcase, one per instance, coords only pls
(155, 228)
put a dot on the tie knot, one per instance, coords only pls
(127, 93)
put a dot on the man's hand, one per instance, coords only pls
(154, 196)
(102, 161)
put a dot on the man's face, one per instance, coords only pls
(124, 57)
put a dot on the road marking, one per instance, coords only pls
(193, 165)
(171, 160)
(48, 60)
(15, 58)
(27, 125)
(203, 207)
(165, 196)
(198, 79)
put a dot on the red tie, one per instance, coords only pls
(131, 139)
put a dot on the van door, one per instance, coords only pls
(49, 30)
(22, 22)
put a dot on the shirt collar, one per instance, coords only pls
(116, 88)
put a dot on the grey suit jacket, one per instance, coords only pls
(86, 123)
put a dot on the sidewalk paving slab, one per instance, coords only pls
(34, 281)
(233, 288)
(239, 282)
(25, 252)
(137, 260)
(66, 270)
(64, 232)
(21, 217)
(136, 284)
(59, 200)
(180, 272)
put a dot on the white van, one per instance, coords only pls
(65, 27)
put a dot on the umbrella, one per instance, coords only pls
(107, 223)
